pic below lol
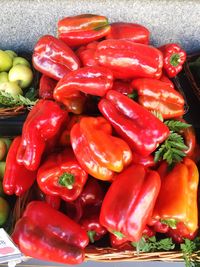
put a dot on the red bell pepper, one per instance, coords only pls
(173, 58)
(91, 196)
(123, 87)
(129, 31)
(137, 126)
(47, 234)
(129, 60)
(42, 124)
(17, 179)
(53, 57)
(156, 95)
(61, 175)
(82, 29)
(46, 87)
(147, 161)
(86, 54)
(91, 224)
(129, 202)
(90, 140)
(165, 79)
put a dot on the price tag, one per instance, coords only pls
(8, 250)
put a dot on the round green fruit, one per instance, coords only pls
(21, 74)
(5, 61)
(21, 61)
(4, 211)
(11, 53)
(3, 77)
(11, 88)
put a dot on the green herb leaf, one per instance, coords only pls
(157, 114)
(176, 126)
(151, 244)
(170, 222)
(187, 249)
(172, 150)
(7, 100)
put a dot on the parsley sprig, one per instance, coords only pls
(7, 100)
(172, 150)
(190, 250)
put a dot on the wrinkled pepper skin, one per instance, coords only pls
(87, 54)
(91, 224)
(156, 95)
(82, 29)
(42, 125)
(136, 125)
(129, 31)
(129, 60)
(90, 141)
(46, 87)
(129, 202)
(53, 57)
(173, 58)
(181, 207)
(61, 175)
(17, 179)
(47, 234)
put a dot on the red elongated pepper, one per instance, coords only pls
(138, 127)
(42, 124)
(123, 87)
(82, 29)
(46, 87)
(173, 58)
(165, 79)
(17, 179)
(61, 175)
(53, 57)
(129, 31)
(90, 139)
(53, 201)
(159, 96)
(48, 234)
(91, 224)
(87, 54)
(129, 202)
(129, 60)
(147, 161)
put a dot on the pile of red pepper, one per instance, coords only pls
(98, 145)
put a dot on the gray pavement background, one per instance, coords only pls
(23, 22)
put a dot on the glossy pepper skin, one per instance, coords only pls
(61, 175)
(129, 31)
(53, 201)
(46, 87)
(129, 202)
(159, 96)
(129, 60)
(90, 140)
(93, 227)
(173, 58)
(42, 125)
(82, 29)
(136, 125)
(17, 179)
(87, 54)
(47, 234)
(53, 57)
(181, 207)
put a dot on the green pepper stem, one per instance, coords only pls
(174, 60)
(67, 180)
(91, 235)
(118, 234)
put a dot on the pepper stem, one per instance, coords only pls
(91, 235)
(67, 180)
(174, 60)
(118, 234)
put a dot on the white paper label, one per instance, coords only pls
(8, 250)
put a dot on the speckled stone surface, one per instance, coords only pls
(23, 22)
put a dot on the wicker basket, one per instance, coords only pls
(194, 86)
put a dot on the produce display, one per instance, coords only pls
(105, 145)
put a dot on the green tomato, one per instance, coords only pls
(11, 53)
(21, 74)
(4, 211)
(21, 61)
(5, 61)
(2, 169)
(3, 149)
(3, 77)
(11, 88)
